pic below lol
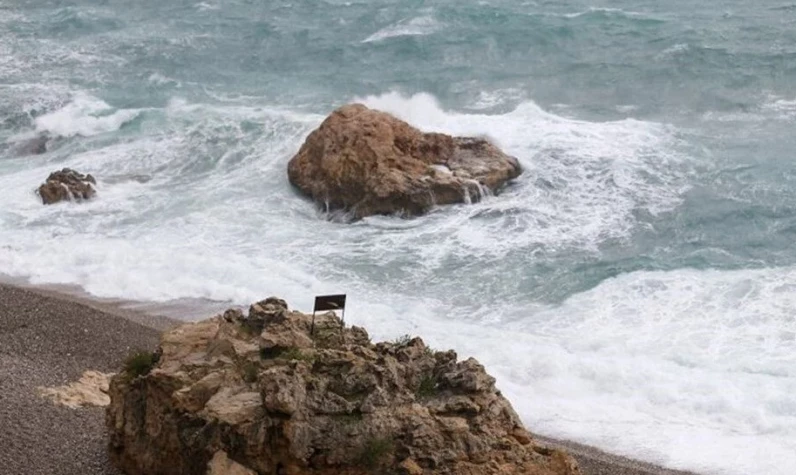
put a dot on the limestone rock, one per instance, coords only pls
(67, 185)
(221, 464)
(314, 403)
(90, 390)
(367, 162)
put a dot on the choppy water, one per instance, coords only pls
(636, 288)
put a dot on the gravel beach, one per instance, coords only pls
(48, 339)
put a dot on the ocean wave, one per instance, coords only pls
(497, 98)
(599, 12)
(786, 8)
(206, 7)
(673, 50)
(783, 108)
(583, 181)
(418, 26)
(677, 359)
(85, 116)
(772, 107)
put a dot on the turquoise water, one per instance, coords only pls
(634, 289)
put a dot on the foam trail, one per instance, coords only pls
(419, 26)
(607, 12)
(583, 181)
(85, 116)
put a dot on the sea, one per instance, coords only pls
(634, 289)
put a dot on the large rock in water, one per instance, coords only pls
(368, 162)
(66, 185)
(264, 395)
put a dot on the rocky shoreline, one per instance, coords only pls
(281, 392)
(50, 339)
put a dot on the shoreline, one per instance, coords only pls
(155, 314)
(91, 333)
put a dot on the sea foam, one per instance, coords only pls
(85, 115)
(418, 26)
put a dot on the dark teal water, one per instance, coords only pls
(633, 290)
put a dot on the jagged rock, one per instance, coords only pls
(67, 184)
(225, 397)
(368, 162)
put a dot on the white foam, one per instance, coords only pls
(86, 116)
(783, 108)
(161, 80)
(674, 50)
(626, 108)
(583, 181)
(205, 6)
(692, 369)
(500, 97)
(418, 26)
(603, 11)
(771, 107)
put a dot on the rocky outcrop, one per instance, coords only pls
(368, 162)
(262, 394)
(66, 185)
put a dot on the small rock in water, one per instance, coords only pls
(67, 185)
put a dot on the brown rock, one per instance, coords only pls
(410, 467)
(67, 185)
(521, 435)
(368, 162)
(333, 403)
(221, 464)
(90, 390)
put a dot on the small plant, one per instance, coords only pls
(427, 387)
(247, 329)
(326, 337)
(292, 353)
(350, 419)
(375, 452)
(402, 340)
(297, 354)
(269, 353)
(140, 363)
(250, 371)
